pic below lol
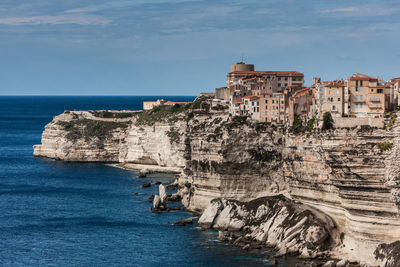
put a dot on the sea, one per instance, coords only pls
(54, 213)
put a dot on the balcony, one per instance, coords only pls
(375, 100)
(374, 105)
(358, 100)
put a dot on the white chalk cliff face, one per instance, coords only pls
(351, 175)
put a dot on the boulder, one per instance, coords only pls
(342, 263)
(329, 264)
(246, 247)
(156, 202)
(163, 193)
(146, 185)
(184, 222)
(261, 211)
(223, 219)
(207, 218)
(142, 173)
(221, 236)
(174, 197)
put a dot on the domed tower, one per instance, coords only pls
(241, 66)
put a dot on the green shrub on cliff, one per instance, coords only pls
(385, 146)
(88, 129)
(327, 123)
(117, 115)
(297, 126)
(173, 135)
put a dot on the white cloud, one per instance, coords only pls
(56, 20)
(360, 11)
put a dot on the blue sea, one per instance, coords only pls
(54, 213)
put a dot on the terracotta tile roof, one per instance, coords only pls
(302, 92)
(335, 84)
(238, 102)
(371, 79)
(248, 96)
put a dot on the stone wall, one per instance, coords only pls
(354, 122)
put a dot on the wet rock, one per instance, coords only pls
(157, 183)
(221, 236)
(156, 202)
(174, 197)
(146, 185)
(143, 173)
(239, 240)
(184, 222)
(246, 247)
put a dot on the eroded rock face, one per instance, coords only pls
(388, 254)
(284, 225)
(210, 213)
(343, 172)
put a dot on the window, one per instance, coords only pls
(279, 78)
(279, 85)
(333, 107)
(361, 97)
(266, 101)
(282, 102)
(273, 101)
(338, 99)
(380, 91)
(372, 98)
(285, 84)
(286, 78)
(356, 97)
(361, 105)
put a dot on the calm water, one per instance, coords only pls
(70, 214)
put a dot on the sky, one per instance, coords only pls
(183, 47)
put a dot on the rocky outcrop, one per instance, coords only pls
(389, 254)
(272, 221)
(350, 175)
(84, 136)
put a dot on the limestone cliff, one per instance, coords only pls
(352, 175)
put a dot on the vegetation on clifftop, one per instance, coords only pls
(88, 129)
(116, 115)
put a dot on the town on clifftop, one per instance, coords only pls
(280, 97)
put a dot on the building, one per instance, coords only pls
(303, 101)
(394, 85)
(274, 107)
(329, 97)
(223, 93)
(268, 81)
(365, 95)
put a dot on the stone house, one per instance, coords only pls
(365, 95)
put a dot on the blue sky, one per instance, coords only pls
(178, 47)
